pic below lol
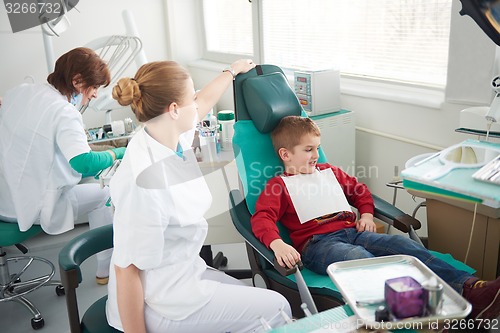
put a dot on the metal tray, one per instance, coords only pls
(362, 281)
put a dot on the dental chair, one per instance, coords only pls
(20, 275)
(71, 256)
(262, 97)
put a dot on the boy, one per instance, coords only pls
(313, 202)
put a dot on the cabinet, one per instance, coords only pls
(449, 224)
(338, 139)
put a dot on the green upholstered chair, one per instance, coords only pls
(262, 97)
(20, 275)
(71, 256)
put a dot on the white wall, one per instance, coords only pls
(23, 52)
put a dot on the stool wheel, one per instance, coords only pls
(60, 290)
(37, 323)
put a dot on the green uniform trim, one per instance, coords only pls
(89, 164)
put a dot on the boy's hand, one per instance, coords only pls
(286, 254)
(365, 223)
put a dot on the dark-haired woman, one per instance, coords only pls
(44, 151)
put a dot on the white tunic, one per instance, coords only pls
(160, 199)
(39, 133)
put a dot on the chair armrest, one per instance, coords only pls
(83, 246)
(71, 256)
(285, 270)
(241, 220)
(394, 216)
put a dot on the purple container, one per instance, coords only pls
(405, 297)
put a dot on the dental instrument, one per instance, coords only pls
(427, 159)
(461, 156)
(490, 172)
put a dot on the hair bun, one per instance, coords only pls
(126, 92)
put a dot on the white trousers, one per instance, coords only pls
(89, 204)
(235, 307)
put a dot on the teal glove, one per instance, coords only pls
(119, 152)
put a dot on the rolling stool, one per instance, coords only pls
(12, 285)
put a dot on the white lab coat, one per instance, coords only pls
(160, 199)
(39, 133)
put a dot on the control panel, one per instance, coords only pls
(318, 91)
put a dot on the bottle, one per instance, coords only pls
(226, 122)
(209, 124)
(434, 295)
(129, 125)
(217, 142)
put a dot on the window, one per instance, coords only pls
(394, 40)
(404, 40)
(228, 27)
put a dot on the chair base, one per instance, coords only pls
(14, 288)
(220, 261)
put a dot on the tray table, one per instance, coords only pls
(361, 283)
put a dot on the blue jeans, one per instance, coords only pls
(349, 244)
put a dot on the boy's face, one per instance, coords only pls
(303, 157)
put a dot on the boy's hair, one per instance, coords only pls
(290, 131)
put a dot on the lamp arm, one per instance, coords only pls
(493, 114)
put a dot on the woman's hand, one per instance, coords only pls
(242, 65)
(365, 223)
(212, 92)
(286, 254)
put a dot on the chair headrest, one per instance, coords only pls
(269, 98)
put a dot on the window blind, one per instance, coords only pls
(228, 26)
(401, 40)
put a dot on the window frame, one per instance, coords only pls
(231, 57)
(426, 95)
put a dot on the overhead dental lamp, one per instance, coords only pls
(486, 13)
(53, 25)
(493, 114)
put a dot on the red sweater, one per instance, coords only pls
(274, 204)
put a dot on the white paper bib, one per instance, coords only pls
(316, 194)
